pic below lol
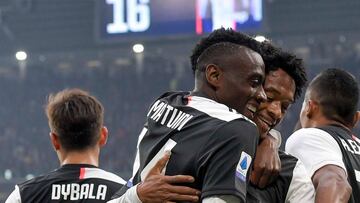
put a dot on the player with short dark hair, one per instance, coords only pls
(77, 135)
(220, 36)
(75, 119)
(326, 145)
(209, 137)
(267, 170)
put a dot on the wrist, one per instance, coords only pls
(276, 136)
(271, 141)
(139, 192)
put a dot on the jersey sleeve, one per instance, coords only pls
(14, 197)
(225, 160)
(315, 148)
(301, 188)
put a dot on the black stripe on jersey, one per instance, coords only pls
(350, 150)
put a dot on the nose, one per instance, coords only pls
(260, 95)
(274, 109)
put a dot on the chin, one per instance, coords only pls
(248, 114)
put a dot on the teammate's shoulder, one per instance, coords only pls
(309, 137)
(101, 174)
(174, 98)
(216, 110)
(239, 131)
(37, 180)
(173, 94)
(305, 133)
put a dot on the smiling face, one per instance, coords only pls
(280, 89)
(241, 80)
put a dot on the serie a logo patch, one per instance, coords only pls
(243, 166)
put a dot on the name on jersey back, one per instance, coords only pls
(168, 115)
(75, 191)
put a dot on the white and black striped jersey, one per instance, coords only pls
(335, 145)
(208, 141)
(69, 183)
(350, 149)
(293, 185)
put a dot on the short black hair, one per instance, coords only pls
(337, 92)
(76, 117)
(226, 38)
(275, 58)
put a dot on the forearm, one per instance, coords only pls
(266, 165)
(332, 190)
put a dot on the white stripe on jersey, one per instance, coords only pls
(167, 147)
(301, 188)
(14, 197)
(215, 109)
(101, 174)
(357, 175)
(136, 165)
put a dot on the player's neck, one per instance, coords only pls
(90, 157)
(203, 92)
(324, 121)
(202, 89)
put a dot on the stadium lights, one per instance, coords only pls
(260, 38)
(21, 55)
(29, 176)
(7, 174)
(138, 48)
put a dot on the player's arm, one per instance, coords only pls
(224, 161)
(331, 185)
(162, 188)
(267, 165)
(322, 158)
(158, 188)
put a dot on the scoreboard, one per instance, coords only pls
(121, 19)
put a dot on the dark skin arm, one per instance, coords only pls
(331, 185)
(267, 163)
(158, 188)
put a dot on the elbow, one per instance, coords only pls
(347, 189)
(333, 190)
(331, 185)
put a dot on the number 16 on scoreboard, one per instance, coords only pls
(129, 16)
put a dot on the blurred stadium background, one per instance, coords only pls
(69, 44)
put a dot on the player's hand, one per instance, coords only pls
(267, 163)
(157, 188)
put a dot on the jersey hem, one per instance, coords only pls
(209, 193)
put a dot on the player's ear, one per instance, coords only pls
(55, 141)
(213, 74)
(312, 108)
(103, 136)
(356, 118)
